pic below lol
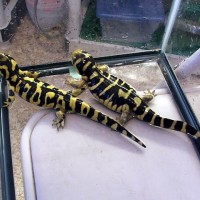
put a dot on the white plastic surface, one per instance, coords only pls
(86, 161)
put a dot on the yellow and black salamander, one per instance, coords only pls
(119, 96)
(42, 94)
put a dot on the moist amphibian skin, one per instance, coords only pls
(119, 96)
(29, 88)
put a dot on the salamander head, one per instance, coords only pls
(8, 66)
(83, 61)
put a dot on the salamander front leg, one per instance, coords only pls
(11, 96)
(59, 121)
(102, 67)
(31, 74)
(79, 86)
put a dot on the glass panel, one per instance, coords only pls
(35, 36)
(185, 38)
(183, 50)
(102, 28)
(142, 76)
(138, 24)
(113, 27)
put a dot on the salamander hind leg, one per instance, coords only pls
(125, 117)
(59, 121)
(76, 92)
(76, 83)
(148, 96)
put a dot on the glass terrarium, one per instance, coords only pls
(153, 45)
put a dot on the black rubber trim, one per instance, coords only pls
(179, 97)
(7, 180)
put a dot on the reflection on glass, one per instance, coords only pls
(142, 76)
(36, 36)
(185, 38)
(131, 23)
(183, 50)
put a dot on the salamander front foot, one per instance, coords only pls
(59, 121)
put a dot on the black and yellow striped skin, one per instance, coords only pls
(121, 97)
(42, 94)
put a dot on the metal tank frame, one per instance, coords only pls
(7, 180)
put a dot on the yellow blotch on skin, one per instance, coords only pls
(86, 66)
(124, 132)
(95, 86)
(108, 88)
(84, 106)
(38, 90)
(94, 74)
(173, 125)
(114, 107)
(119, 109)
(101, 101)
(153, 119)
(78, 61)
(162, 122)
(133, 138)
(184, 127)
(109, 105)
(14, 78)
(105, 121)
(85, 78)
(107, 100)
(50, 87)
(114, 126)
(137, 100)
(87, 55)
(125, 108)
(63, 102)
(95, 116)
(197, 135)
(123, 94)
(74, 53)
(28, 87)
(13, 64)
(50, 95)
(141, 117)
(72, 103)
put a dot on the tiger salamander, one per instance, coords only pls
(119, 96)
(42, 94)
